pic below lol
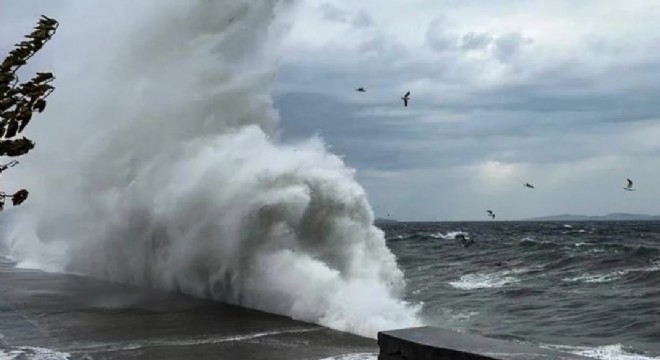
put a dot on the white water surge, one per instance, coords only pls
(158, 163)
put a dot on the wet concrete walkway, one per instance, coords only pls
(92, 319)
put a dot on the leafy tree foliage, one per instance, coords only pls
(19, 101)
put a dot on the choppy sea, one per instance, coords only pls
(591, 288)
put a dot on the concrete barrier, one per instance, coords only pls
(431, 343)
(58, 316)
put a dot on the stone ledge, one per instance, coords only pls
(431, 343)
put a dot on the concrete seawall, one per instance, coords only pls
(430, 343)
(56, 316)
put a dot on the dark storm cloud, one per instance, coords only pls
(570, 91)
(558, 113)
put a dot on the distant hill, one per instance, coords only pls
(608, 217)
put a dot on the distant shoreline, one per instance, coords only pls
(608, 217)
(552, 218)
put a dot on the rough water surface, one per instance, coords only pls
(590, 288)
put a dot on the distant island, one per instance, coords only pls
(608, 217)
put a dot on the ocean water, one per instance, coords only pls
(590, 288)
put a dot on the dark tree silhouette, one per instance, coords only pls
(19, 101)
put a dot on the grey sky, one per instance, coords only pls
(560, 93)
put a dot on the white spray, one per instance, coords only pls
(169, 172)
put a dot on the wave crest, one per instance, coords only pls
(188, 189)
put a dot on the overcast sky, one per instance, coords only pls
(562, 94)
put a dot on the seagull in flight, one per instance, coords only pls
(405, 99)
(529, 185)
(491, 214)
(629, 187)
(360, 89)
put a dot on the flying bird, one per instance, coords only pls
(629, 187)
(491, 214)
(360, 89)
(405, 99)
(529, 185)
